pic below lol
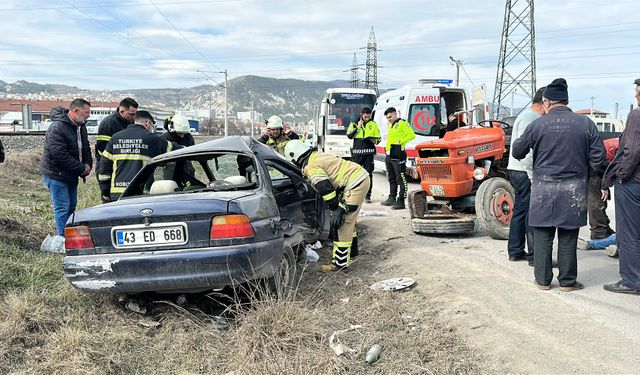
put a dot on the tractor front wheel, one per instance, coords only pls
(494, 207)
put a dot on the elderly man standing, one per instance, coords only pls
(564, 145)
(520, 174)
(624, 174)
(66, 156)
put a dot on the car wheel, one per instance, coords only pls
(282, 282)
(494, 207)
(443, 224)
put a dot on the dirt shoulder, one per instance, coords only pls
(495, 307)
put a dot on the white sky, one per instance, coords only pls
(117, 44)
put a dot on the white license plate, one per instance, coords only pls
(154, 235)
(436, 190)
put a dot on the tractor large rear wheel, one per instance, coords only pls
(494, 207)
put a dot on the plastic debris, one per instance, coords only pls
(53, 244)
(312, 255)
(338, 347)
(149, 324)
(373, 354)
(181, 300)
(373, 213)
(218, 322)
(399, 283)
(344, 300)
(135, 307)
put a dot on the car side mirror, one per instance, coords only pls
(303, 189)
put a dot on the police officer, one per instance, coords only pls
(126, 153)
(178, 131)
(343, 186)
(366, 136)
(399, 134)
(276, 137)
(110, 125)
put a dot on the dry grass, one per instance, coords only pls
(46, 327)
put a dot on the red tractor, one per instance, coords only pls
(465, 173)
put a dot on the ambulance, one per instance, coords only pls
(425, 106)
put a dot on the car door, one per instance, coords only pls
(297, 201)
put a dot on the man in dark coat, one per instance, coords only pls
(624, 175)
(564, 145)
(66, 156)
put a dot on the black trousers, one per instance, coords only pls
(598, 219)
(627, 200)
(366, 161)
(567, 260)
(519, 230)
(396, 177)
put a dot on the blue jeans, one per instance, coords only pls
(65, 198)
(603, 243)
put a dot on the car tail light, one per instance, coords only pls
(77, 238)
(230, 226)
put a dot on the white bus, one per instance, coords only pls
(339, 107)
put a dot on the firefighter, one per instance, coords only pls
(276, 136)
(399, 134)
(110, 125)
(366, 136)
(178, 131)
(126, 153)
(343, 186)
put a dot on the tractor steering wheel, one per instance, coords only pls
(503, 125)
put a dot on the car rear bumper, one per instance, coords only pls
(173, 270)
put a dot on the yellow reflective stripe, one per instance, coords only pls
(341, 244)
(330, 196)
(142, 158)
(356, 178)
(103, 177)
(169, 146)
(341, 172)
(316, 172)
(312, 158)
(107, 154)
(105, 138)
(116, 190)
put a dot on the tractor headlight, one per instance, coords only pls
(479, 174)
(470, 159)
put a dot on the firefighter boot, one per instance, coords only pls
(389, 202)
(354, 247)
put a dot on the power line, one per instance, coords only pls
(184, 37)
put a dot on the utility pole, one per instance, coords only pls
(593, 99)
(615, 111)
(517, 61)
(226, 117)
(354, 72)
(253, 121)
(458, 63)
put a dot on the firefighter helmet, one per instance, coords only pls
(274, 122)
(178, 124)
(295, 149)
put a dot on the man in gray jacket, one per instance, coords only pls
(520, 174)
(564, 146)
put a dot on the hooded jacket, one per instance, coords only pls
(61, 159)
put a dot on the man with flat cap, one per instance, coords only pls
(565, 146)
(624, 174)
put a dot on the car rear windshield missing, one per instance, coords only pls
(196, 173)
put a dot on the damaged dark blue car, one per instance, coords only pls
(216, 214)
